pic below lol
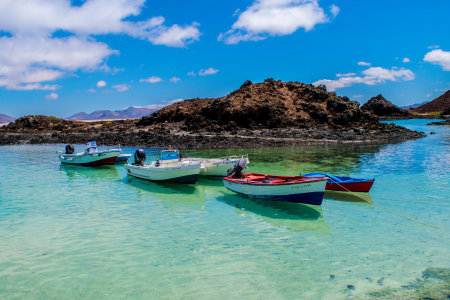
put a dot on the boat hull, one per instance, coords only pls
(345, 184)
(307, 192)
(184, 174)
(363, 187)
(91, 159)
(122, 158)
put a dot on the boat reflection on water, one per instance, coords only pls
(294, 216)
(168, 193)
(348, 197)
(92, 173)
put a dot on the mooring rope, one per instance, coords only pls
(391, 211)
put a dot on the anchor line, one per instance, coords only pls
(406, 218)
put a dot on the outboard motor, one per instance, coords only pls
(70, 149)
(139, 157)
(238, 167)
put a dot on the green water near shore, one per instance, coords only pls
(71, 232)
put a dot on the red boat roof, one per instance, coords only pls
(263, 179)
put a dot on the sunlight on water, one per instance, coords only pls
(72, 232)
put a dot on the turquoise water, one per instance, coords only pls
(71, 232)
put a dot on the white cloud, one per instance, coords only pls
(358, 96)
(122, 87)
(174, 79)
(159, 106)
(174, 101)
(373, 76)
(101, 83)
(209, 71)
(381, 75)
(92, 90)
(52, 96)
(192, 73)
(433, 47)
(334, 10)
(345, 75)
(439, 57)
(361, 63)
(152, 79)
(266, 18)
(429, 95)
(30, 54)
(406, 60)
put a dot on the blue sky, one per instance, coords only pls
(55, 54)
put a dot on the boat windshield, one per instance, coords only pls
(169, 155)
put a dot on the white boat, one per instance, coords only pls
(218, 167)
(91, 156)
(169, 168)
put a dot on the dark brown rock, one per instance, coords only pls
(271, 104)
(441, 103)
(381, 107)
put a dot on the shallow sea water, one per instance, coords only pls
(73, 232)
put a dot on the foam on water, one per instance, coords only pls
(76, 232)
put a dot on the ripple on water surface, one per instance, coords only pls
(82, 232)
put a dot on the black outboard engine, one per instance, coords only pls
(70, 149)
(139, 157)
(238, 167)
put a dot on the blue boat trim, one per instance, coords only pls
(338, 179)
(314, 198)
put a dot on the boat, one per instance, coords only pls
(299, 189)
(91, 156)
(169, 168)
(123, 158)
(218, 167)
(345, 184)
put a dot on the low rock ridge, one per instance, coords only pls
(381, 107)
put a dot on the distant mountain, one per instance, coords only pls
(129, 113)
(441, 103)
(414, 105)
(6, 119)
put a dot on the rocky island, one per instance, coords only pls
(272, 113)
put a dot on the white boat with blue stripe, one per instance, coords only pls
(169, 168)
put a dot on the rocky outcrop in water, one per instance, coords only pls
(266, 114)
(271, 104)
(381, 107)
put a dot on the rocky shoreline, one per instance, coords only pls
(242, 138)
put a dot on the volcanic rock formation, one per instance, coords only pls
(441, 103)
(39, 122)
(271, 104)
(383, 108)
